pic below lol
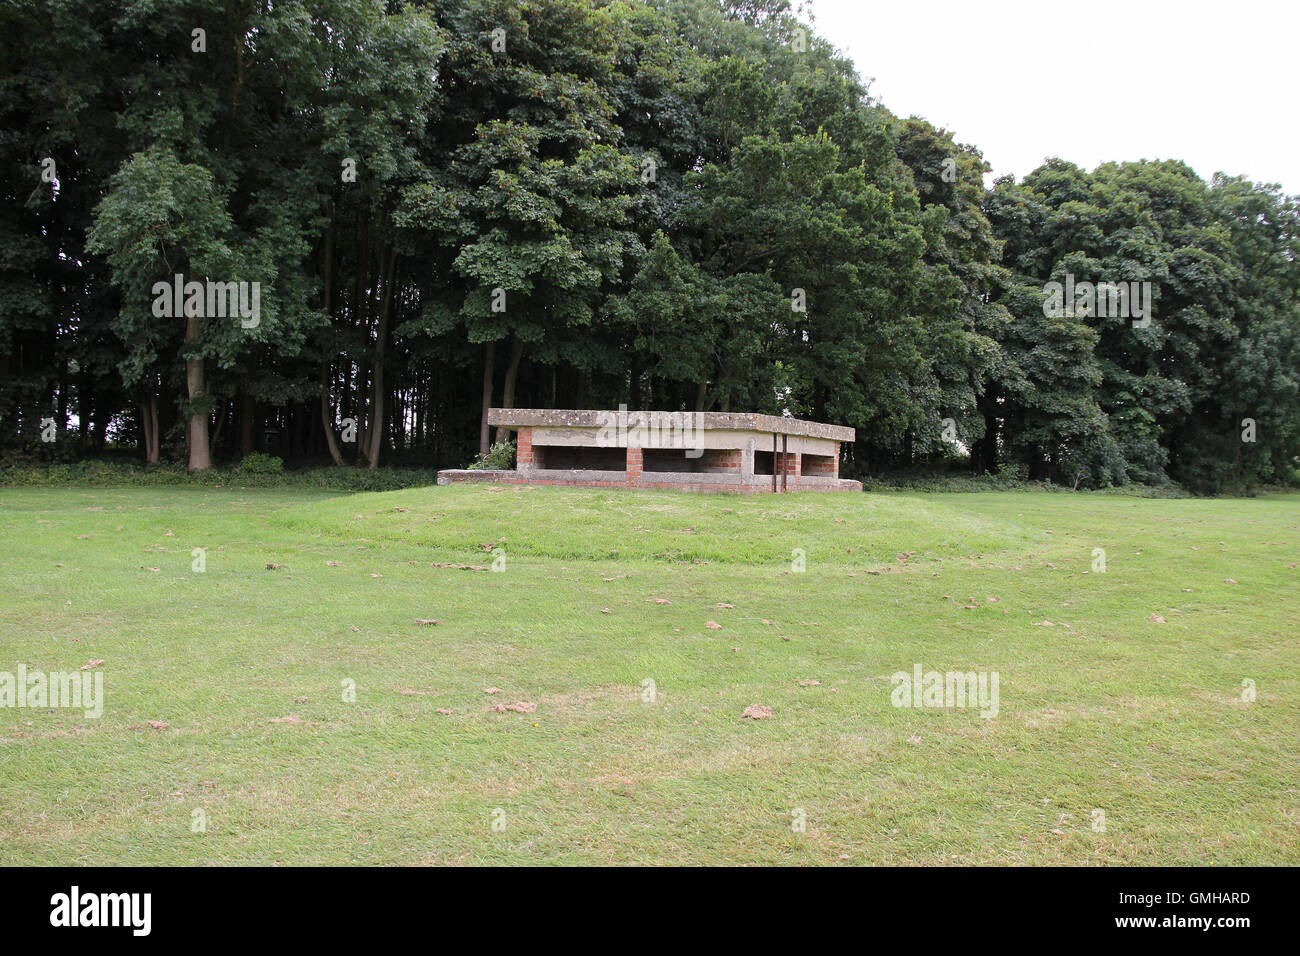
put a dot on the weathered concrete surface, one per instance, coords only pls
(515, 418)
(704, 438)
(694, 451)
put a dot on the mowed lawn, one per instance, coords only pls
(1119, 691)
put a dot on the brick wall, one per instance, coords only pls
(789, 465)
(827, 466)
(524, 449)
(716, 460)
(634, 463)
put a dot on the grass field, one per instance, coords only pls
(1119, 691)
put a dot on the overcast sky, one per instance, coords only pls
(1211, 83)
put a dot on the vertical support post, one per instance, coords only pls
(773, 462)
(785, 448)
(747, 461)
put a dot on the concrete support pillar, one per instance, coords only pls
(747, 460)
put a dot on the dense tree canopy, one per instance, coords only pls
(678, 204)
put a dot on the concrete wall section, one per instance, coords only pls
(515, 418)
(709, 451)
(619, 479)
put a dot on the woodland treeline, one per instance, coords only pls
(682, 204)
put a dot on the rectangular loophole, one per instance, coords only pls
(822, 465)
(579, 458)
(709, 461)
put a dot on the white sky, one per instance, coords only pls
(1211, 82)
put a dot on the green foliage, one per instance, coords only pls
(1006, 479)
(256, 463)
(566, 203)
(113, 474)
(1098, 398)
(500, 456)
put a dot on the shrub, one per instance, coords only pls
(500, 455)
(256, 463)
(268, 472)
(1008, 479)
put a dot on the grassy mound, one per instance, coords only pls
(317, 689)
(842, 530)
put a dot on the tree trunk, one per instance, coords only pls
(508, 384)
(64, 371)
(984, 457)
(362, 414)
(417, 433)
(388, 276)
(247, 413)
(155, 450)
(100, 434)
(85, 411)
(489, 356)
(216, 432)
(197, 429)
(326, 414)
(362, 310)
(149, 424)
(327, 306)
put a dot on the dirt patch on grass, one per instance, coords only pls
(583, 699)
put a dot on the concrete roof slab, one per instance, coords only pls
(515, 418)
